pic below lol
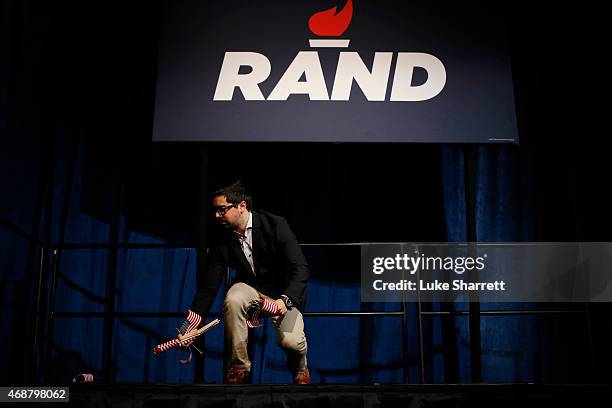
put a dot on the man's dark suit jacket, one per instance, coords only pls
(280, 266)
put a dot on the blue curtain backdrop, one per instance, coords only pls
(514, 348)
(342, 350)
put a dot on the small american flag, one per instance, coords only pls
(266, 306)
(79, 378)
(191, 322)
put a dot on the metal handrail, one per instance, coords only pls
(56, 249)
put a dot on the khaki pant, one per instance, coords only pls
(237, 301)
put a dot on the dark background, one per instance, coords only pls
(77, 85)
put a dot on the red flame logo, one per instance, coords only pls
(327, 23)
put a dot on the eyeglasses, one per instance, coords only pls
(223, 209)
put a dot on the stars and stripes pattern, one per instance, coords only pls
(83, 378)
(167, 346)
(191, 322)
(266, 306)
(174, 343)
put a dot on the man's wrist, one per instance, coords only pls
(287, 300)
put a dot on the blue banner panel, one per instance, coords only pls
(324, 71)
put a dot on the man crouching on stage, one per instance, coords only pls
(270, 266)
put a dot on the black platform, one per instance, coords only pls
(321, 396)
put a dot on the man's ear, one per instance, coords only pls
(242, 205)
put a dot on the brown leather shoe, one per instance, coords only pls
(302, 377)
(237, 375)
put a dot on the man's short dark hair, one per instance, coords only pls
(235, 193)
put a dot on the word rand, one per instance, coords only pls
(351, 68)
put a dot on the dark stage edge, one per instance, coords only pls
(321, 396)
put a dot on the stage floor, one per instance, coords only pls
(320, 396)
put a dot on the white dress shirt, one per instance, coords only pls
(246, 242)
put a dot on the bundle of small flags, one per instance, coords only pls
(191, 322)
(185, 341)
(174, 343)
(266, 306)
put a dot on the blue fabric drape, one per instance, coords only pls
(513, 347)
(351, 350)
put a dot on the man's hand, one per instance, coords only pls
(281, 306)
(185, 343)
